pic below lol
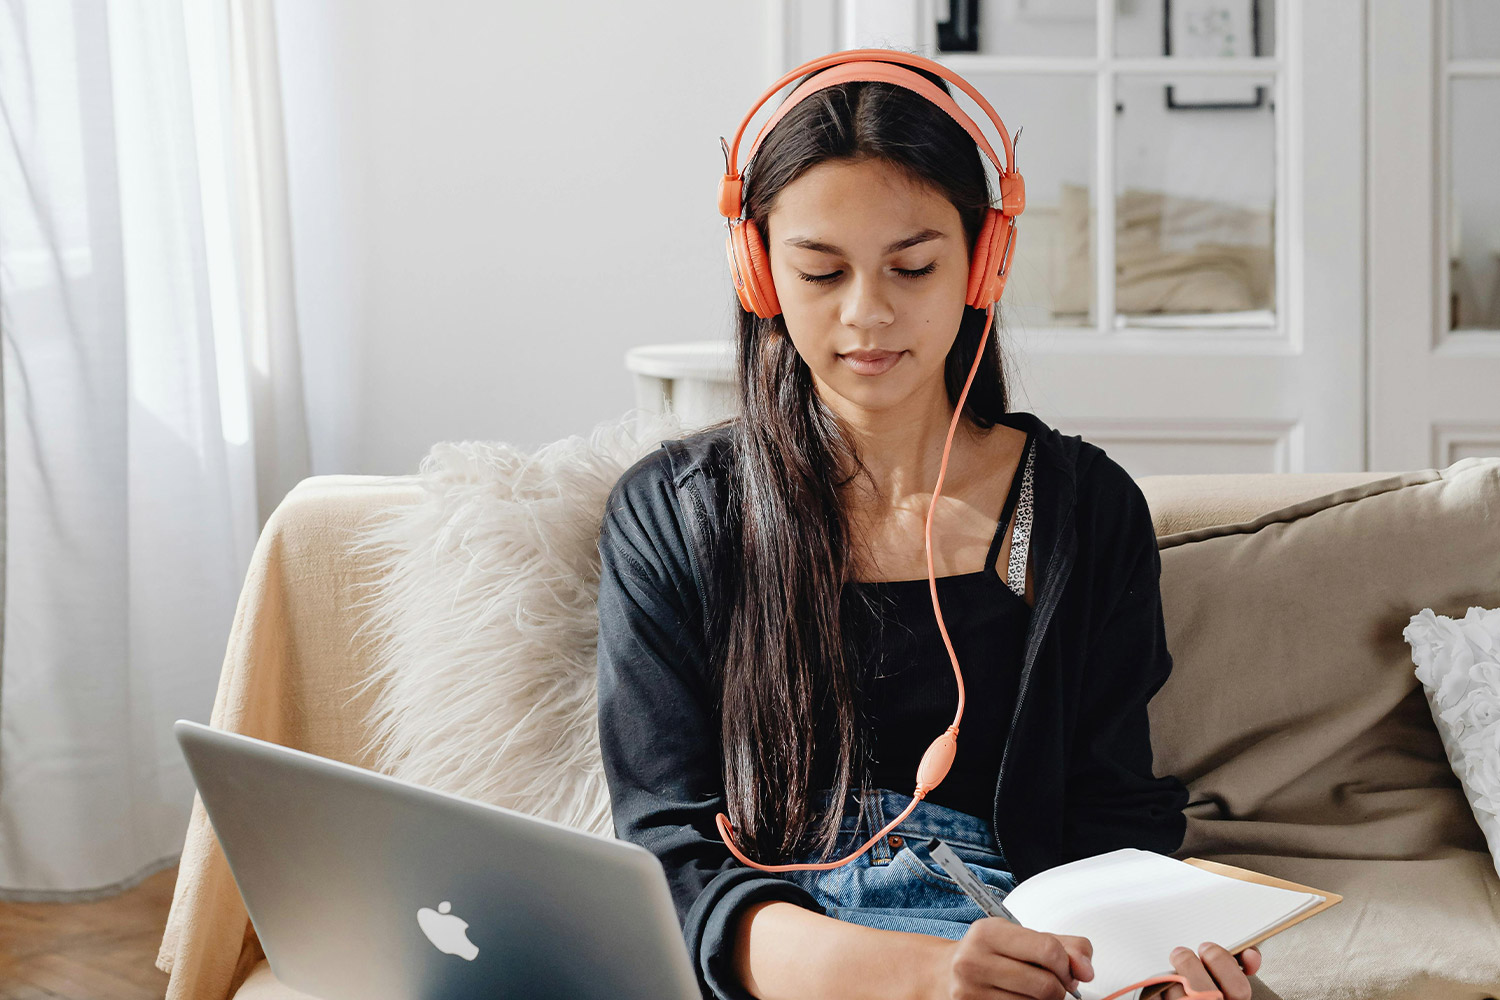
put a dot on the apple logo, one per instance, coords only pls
(447, 931)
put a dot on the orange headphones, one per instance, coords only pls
(988, 269)
(996, 244)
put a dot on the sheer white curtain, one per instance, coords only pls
(153, 411)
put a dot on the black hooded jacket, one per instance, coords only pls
(1075, 777)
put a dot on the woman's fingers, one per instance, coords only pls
(1225, 969)
(1080, 952)
(1196, 972)
(995, 953)
(1214, 968)
(1211, 968)
(1190, 967)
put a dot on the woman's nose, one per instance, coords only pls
(867, 303)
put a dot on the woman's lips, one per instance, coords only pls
(873, 366)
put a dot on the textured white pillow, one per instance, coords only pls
(483, 621)
(1458, 663)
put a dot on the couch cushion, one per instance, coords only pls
(1458, 663)
(1295, 717)
(1210, 500)
(483, 624)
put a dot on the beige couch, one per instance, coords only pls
(1292, 712)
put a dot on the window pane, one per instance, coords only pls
(1052, 273)
(1028, 27)
(1474, 27)
(1196, 28)
(1474, 207)
(1195, 193)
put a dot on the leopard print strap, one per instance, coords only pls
(1015, 576)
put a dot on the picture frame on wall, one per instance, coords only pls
(1213, 29)
(959, 30)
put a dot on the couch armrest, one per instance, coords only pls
(293, 659)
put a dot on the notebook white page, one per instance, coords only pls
(1135, 906)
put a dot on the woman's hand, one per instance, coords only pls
(1213, 968)
(995, 954)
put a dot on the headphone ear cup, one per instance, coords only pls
(758, 270)
(737, 268)
(985, 281)
(752, 278)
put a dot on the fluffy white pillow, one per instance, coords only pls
(1458, 663)
(483, 621)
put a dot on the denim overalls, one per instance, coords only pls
(890, 886)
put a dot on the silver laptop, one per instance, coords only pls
(363, 886)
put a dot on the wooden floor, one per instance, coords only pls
(87, 951)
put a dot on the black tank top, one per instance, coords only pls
(908, 691)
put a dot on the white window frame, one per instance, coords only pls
(1448, 70)
(1279, 399)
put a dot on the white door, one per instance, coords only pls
(1206, 316)
(1434, 211)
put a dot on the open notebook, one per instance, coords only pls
(1135, 906)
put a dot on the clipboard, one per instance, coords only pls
(1246, 875)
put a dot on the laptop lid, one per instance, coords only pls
(361, 886)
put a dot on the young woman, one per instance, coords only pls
(767, 640)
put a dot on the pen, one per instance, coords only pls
(975, 889)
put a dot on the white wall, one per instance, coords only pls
(465, 266)
(492, 202)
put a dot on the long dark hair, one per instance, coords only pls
(788, 671)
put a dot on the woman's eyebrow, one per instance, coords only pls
(816, 246)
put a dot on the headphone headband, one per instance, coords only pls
(886, 66)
